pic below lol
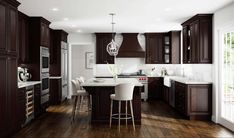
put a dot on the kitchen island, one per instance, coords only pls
(101, 91)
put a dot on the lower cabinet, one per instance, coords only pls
(155, 87)
(194, 100)
(37, 100)
(55, 91)
(21, 110)
(165, 95)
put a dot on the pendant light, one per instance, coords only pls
(112, 48)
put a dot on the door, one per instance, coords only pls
(226, 101)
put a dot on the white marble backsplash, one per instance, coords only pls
(199, 72)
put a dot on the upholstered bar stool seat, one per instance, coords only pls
(123, 93)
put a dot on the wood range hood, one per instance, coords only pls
(130, 47)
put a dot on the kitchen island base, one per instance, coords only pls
(101, 104)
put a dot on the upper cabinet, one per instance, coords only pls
(102, 56)
(197, 39)
(8, 26)
(57, 37)
(154, 48)
(172, 46)
(40, 31)
(23, 22)
(163, 48)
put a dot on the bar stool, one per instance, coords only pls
(78, 93)
(123, 92)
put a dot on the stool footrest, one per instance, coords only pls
(116, 116)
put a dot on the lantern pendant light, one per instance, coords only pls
(112, 48)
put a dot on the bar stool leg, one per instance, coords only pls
(81, 101)
(111, 112)
(119, 114)
(133, 124)
(126, 109)
(74, 108)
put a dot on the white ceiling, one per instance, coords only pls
(88, 16)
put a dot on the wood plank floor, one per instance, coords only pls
(158, 120)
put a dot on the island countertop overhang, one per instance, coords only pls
(111, 82)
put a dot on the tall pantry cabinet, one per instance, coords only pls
(8, 64)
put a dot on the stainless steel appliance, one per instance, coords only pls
(45, 83)
(64, 68)
(44, 61)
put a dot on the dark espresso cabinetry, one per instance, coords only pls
(194, 100)
(23, 53)
(8, 64)
(163, 48)
(102, 56)
(155, 87)
(154, 48)
(197, 39)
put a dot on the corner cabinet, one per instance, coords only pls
(102, 56)
(197, 39)
(194, 100)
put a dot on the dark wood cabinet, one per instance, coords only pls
(197, 39)
(8, 64)
(163, 48)
(165, 95)
(37, 100)
(45, 33)
(175, 47)
(21, 110)
(39, 32)
(57, 37)
(55, 91)
(154, 48)
(23, 52)
(102, 56)
(155, 87)
(194, 100)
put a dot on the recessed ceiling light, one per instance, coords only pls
(65, 19)
(55, 9)
(79, 31)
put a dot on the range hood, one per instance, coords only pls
(130, 47)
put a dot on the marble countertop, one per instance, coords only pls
(28, 83)
(55, 77)
(111, 82)
(185, 80)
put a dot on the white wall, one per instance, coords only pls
(78, 45)
(78, 61)
(222, 18)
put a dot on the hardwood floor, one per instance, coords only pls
(158, 120)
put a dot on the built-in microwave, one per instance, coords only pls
(45, 60)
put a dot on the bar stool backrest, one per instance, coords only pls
(74, 87)
(124, 91)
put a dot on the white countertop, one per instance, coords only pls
(111, 82)
(185, 80)
(28, 83)
(55, 77)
